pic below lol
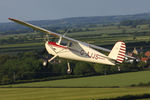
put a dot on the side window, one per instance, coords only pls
(70, 44)
(64, 42)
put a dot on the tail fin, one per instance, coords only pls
(118, 52)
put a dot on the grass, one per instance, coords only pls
(116, 80)
(68, 93)
(129, 97)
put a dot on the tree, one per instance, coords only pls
(63, 68)
(100, 69)
(141, 65)
(83, 68)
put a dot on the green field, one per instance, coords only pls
(21, 47)
(120, 80)
(67, 93)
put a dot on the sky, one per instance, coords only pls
(56, 9)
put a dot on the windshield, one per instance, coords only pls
(51, 38)
(64, 42)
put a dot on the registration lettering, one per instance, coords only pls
(91, 55)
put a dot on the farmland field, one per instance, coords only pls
(116, 80)
(21, 47)
(67, 93)
(99, 35)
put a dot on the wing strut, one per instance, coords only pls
(52, 58)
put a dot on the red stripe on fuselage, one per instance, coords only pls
(56, 45)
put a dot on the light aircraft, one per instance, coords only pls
(69, 48)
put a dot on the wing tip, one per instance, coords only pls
(11, 19)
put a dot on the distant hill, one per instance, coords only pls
(74, 21)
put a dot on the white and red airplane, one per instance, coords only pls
(69, 48)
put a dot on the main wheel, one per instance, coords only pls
(45, 63)
(69, 71)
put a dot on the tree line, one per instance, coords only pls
(134, 22)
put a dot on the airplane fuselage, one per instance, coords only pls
(77, 51)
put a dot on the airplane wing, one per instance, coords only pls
(100, 48)
(35, 27)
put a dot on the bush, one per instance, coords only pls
(105, 69)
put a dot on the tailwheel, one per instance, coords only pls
(69, 70)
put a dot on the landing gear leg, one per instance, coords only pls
(52, 58)
(69, 70)
(45, 62)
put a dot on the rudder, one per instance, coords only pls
(118, 52)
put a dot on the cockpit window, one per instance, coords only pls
(54, 39)
(64, 42)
